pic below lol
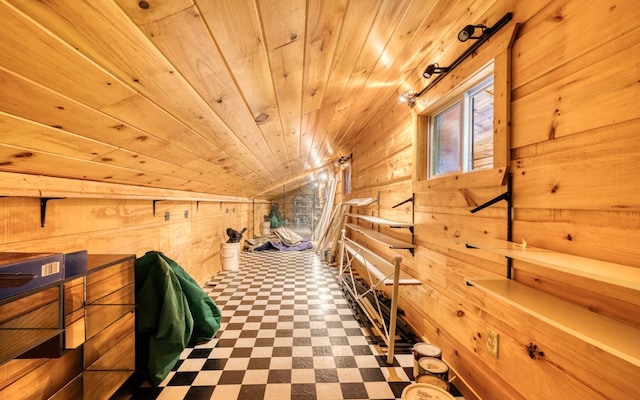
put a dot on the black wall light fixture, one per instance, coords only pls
(434, 69)
(468, 32)
(411, 98)
(342, 160)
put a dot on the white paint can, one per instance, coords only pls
(433, 366)
(433, 380)
(424, 349)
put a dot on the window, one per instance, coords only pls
(461, 132)
(346, 178)
(462, 122)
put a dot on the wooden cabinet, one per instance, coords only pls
(88, 323)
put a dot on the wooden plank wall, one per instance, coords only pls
(574, 161)
(191, 236)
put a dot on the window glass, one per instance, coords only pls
(461, 135)
(445, 139)
(482, 126)
(346, 178)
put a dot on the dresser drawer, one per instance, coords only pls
(108, 280)
(100, 385)
(29, 322)
(71, 391)
(109, 309)
(100, 345)
(117, 358)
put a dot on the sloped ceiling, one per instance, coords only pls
(231, 97)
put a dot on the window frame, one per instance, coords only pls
(496, 52)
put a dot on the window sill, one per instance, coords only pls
(482, 178)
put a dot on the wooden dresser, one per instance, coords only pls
(97, 337)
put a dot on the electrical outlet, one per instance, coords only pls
(493, 340)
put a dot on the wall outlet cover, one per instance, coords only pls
(493, 341)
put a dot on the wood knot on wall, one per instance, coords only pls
(533, 351)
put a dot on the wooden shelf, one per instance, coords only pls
(604, 333)
(361, 202)
(615, 274)
(382, 269)
(393, 243)
(381, 221)
(381, 272)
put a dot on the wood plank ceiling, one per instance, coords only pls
(229, 97)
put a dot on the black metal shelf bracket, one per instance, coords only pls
(506, 196)
(411, 200)
(154, 206)
(43, 208)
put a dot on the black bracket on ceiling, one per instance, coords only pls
(43, 208)
(508, 197)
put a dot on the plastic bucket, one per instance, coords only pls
(266, 228)
(230, 253)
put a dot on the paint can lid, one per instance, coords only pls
(425, 391)
(427, 349)
(433, 365)
(433, 380)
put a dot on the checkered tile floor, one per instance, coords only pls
(287, 333)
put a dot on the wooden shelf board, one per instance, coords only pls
(393, 243)
(380, 268)
(381, 221)
(360, 202)
(612, 273)
(604, 333)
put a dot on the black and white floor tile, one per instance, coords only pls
(287, 333)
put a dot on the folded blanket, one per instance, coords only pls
(287, 236)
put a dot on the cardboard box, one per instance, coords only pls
(75, 264)
(22, 272)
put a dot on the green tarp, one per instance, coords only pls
(172, 312)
